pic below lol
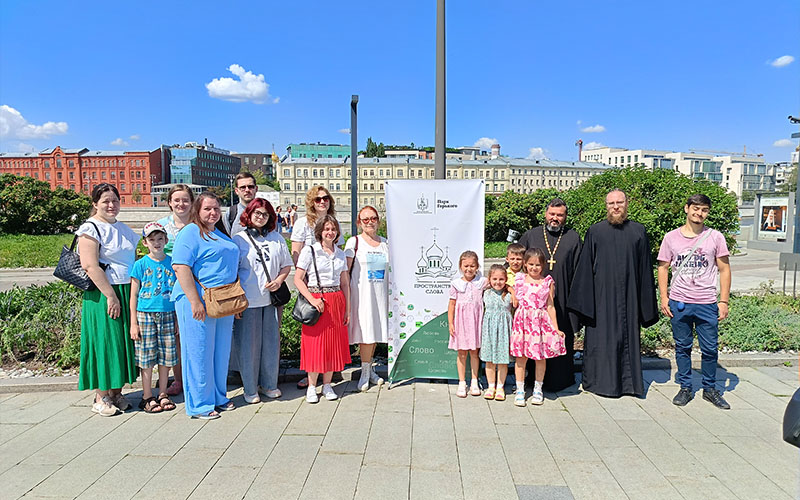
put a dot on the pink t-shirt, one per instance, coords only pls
(697, 282)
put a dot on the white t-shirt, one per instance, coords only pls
(251, 272)
(304, 234)
(330, 266)
(117, 248)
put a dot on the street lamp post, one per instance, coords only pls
(231, 177)
(354, 163)
(441, 143)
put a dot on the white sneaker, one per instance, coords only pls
(252, 399)
(537, 398)
(329, 393)
(363, 381)
(374, 378)
(105, 408)
(311, 395)
(273, 393)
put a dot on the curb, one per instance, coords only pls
(60, 384)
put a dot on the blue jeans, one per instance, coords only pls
(702, 318)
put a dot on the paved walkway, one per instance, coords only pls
(417, 440)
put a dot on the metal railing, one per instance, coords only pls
(790, 262)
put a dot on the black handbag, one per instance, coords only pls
(303, 311)
(791, 420)
(69, 265)
(282, 295)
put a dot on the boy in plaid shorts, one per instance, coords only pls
(153, 317)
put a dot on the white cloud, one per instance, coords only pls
(593, 129)
(119, 141)
(783, 143)
(25, 148)
(485, 143)
(135, 137)
(344, 130)
(537, 154)
(593, 145)
(13, 124)
(248, 87)
(782, 61)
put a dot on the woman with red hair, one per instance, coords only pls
(264, 264)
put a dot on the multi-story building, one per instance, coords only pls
(263, 162)
(132, 172)
(461, 153)
(296, 176)
(202, 164)
(317, 150)
(737, 173)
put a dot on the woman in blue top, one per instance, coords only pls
(203, 251)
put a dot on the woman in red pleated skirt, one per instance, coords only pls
(324, 347)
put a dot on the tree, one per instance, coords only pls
(136, 195)
(372, 148)
(790, 186)
(656, 199)
(29, 206)
(223, 193)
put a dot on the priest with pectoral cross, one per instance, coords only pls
(562, 246)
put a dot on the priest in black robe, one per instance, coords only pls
(562, 246)
(613, 292)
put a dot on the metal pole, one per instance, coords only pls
(441, 143)
(354, 163)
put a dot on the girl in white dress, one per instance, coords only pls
(368, 261)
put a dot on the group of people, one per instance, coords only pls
(152, 312)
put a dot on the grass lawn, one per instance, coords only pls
(495, 249)
(21, 250)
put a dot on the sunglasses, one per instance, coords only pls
(369, 219)
(247, 188)
(320, 199)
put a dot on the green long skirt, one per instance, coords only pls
(107, 353)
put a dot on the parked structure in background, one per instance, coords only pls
(133, 172)
(202, 164)
(263, 162)
(308, 150)
(502, 174)
(742, 174)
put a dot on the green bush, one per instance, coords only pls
(29, 206)
(656, 197)
(290, 332)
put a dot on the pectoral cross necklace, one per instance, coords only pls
(552, 252)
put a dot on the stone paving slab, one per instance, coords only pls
(417, 440)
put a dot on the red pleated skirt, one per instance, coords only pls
(324, 347)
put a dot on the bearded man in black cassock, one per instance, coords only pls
(613, 292)
(562, 246)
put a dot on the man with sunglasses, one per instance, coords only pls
(246, 190)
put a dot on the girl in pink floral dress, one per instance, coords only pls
(464, 315)
(534, 333)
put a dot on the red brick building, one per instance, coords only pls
(132, 172)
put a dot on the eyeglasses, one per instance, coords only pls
(260, 213)
(247, 187)
(320, 199)
(369, 219)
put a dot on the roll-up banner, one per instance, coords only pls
(430, 223)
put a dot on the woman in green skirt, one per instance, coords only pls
(107, 353)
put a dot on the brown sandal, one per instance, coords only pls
(150, 405)
(165, 403)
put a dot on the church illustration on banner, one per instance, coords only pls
(434, 262)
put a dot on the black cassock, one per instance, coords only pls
(560, 372)
(614, 295)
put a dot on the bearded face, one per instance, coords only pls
(555, 217)
(616, 207)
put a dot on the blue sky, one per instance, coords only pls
(533, 75)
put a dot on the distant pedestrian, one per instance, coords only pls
(496, 333)
(534, 334)
(107, 353)
(153, 322)
(464, 317)
(279, 222)
(697, 255)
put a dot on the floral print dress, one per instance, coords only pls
(532, 333)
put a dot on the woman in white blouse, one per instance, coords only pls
(324, 347)
(108, 250)
(264, 264)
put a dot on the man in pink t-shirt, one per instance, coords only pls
(697, 255)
